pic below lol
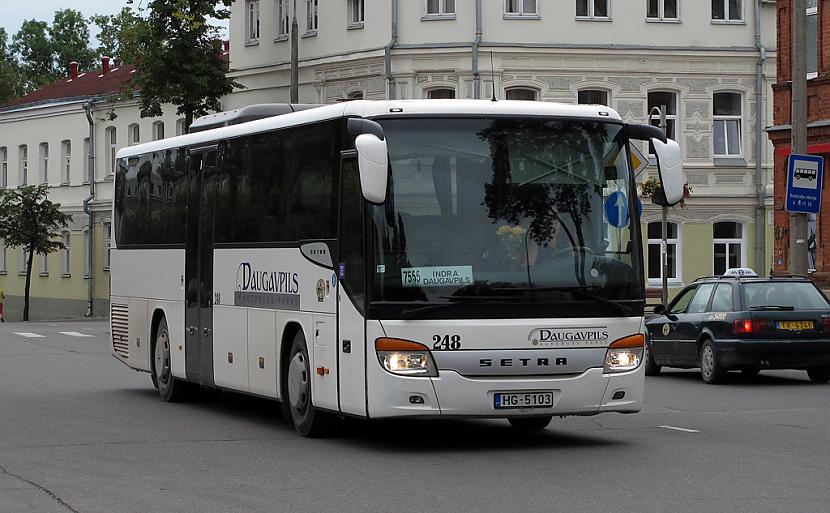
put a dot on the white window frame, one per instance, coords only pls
(66, 159)
(180, 126)
(4, 167)
(21, 265)
(133, 134)
(356, 14)
(43, 153)
(252, 21)
(107, 227)
(677, 242)
(443, 11)
(283, 20)
(3, 256)
(517, 10)
(813, 11)
(536, 92)
(725, 119)
(44, 265)
(158, 130)
(311, 15)
(591, 14)
(66, 238)
(87, 269)
(727, 13)
(669, 117)
(661, 10)
(23, 157)
(740, 241)
(86, 160)
(111, 138)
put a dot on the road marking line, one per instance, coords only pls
(29, 335)
(75, 334)
(685, 430)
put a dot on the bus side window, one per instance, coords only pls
(351, 233)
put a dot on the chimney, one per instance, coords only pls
(73, 70)
(105, 65)
(117, 62)
(226, 45)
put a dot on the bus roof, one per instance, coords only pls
(378, 108)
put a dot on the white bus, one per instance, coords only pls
(389, 259)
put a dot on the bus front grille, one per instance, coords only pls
(119, 325)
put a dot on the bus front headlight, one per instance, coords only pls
(405, 357)
(624, 354)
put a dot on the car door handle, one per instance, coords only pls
(191, 330)
(205, 332)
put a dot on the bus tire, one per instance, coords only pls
(170, 389)
(307, 420)
(530, 423)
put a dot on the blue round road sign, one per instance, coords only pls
(616, 209)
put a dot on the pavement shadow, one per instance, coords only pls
(734, 378)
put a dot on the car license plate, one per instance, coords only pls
(505, 400)
(795, 325)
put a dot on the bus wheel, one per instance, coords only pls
(530, 423)
(170, 389)
(307, 421)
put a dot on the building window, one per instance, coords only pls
(252, 20)
(727, 125)
(811, 29)
(2, 256)
(727, 10)
(65, 238)
(356, 12)
(356, 95)
(86, 160)
(4, 167)
(66, 158)
(442, 93)
(107, 241)
(23, 159)
(655, 241)
(180, 126)
(283, 21)
(521, 93)
(521, 7)
(44, 265)
(44, 163)
(592, 97)
(663, 10)
(311, 15)
(158, 130)
(111, 138)
(728, 246)
(656, 100)
(86, 253)
(592, 8)
(133, 134)
(21, 260)
(440, 7)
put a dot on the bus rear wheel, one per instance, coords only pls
(307, 420)
(530, 423)
(170, 389)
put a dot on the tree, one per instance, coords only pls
(11, 85)
(29, 220)
(69, 36)
(120, 34)
(34, 48)
(181, 58)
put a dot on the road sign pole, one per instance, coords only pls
(797, 262)
(664, 246)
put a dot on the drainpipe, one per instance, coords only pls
(87, 210)
(390, 78)
(476, 45)
(760, 183)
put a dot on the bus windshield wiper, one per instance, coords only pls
(453, 301)
(576, 291)
(772, 307)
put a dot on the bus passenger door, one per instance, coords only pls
(351, 292)
(199, 267)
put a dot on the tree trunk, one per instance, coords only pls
(28, 284)
(188, 120)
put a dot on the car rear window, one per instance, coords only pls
(788, 294)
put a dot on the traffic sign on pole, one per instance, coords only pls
(804, 180)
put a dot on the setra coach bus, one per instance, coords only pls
(383, 259)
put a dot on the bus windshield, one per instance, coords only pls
(506, 210)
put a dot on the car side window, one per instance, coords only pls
(701, 299)
(681, 302)
(722, 300)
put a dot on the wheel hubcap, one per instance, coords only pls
(707, 361)
(298, 383)
(162, 358)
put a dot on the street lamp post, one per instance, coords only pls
(664, 225)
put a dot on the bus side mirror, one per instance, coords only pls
(670, 168)
(373, 162)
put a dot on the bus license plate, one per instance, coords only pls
(505, 400)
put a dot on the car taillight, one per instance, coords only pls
(748, 326)
(825, 323)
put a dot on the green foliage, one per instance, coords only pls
(11, 85)
(120, 34)
(28, 219)
(34, 49)
(181, 58)
(69, 36)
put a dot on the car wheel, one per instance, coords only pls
(819, 374)
(710, 368)
(530, 423)
(170, 389)
(307, 420)
(652, 369)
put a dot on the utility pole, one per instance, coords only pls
(798, 131)
(295, 51)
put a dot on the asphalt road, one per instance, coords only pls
(79, 432)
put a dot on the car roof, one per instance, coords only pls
(755, 279)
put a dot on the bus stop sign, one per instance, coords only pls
(804, 178)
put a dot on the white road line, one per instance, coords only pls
(29, 335)
(75, 334)
(685, 430)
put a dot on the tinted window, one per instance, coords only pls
(796, 295)
(722, 300)
(681, 302)
(701, 299)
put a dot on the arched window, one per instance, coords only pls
(442, 93)
(673, 255)
(23, 159)
(158, 130)
(66, 160)
(592, 97)
(728, 246)
(521, 93)
(111, 138)
(133, 134)
(44, 162)
(4, 167)
(180, 126)
(65, 238)
(355, 95)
